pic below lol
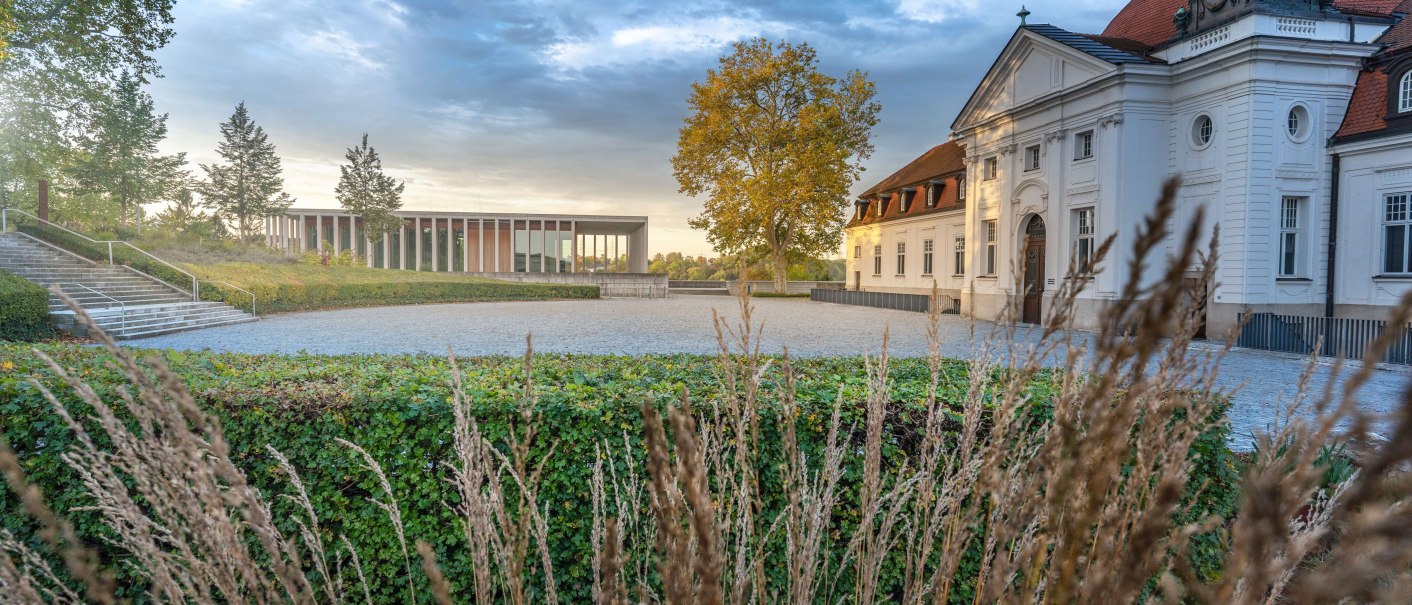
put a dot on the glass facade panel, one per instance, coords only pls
(521, 247)
(536, 249)
(551, 251)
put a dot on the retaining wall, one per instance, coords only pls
(610, 285)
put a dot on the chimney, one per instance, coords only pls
(43, 200)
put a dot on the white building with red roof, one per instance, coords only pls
(1289, 121)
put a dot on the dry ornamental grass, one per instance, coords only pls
(1087, 505)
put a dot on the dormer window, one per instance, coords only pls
(906, 196)
(1404, 93)
(961, 188)
(882, 205)
(934, 190)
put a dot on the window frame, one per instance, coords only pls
(1083, 146)
(990, 168)
(990, 231)
(961, 188)
(901, 259)
(877, 260)
(1203, 131)
(1290, 243)
(1033, 157)
(858, 251)
(1404, 223)
(1404, 92)
(1299, 123)
(1085, 237)
(958, 256)
(928, 251)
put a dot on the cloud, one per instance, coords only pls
(337, 43)
(936, 11)
(657, 42)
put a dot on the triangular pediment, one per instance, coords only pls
(1031, 66)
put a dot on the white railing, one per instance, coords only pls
(122, 308)
(235, 287)
(195, 284)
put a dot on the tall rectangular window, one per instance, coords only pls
(1083, 240)
(991, 229)
(877, 260)
(926, 257)
(961, 188)
(1083, 145)
(992, 168)
(1032, 158)
(958, 256)
(1290, 226)
(1397, 225)
(857, 252)
(901, 258)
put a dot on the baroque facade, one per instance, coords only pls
(1289, 122)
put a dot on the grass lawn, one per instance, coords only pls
(280, 287)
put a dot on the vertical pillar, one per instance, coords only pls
(466, 244)
(417, 259)
(386, 249)
(319, 233)
(573, 247)
(497, 245)
(434, 241)
(402, 246)
(367, 247)
(303, 235)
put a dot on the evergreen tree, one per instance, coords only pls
(119, 162)
(184, 216)
(247, 187)
(364, 191)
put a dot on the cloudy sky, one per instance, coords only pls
(565, 106)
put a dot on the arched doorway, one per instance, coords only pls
(1033, 266)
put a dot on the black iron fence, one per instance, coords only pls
(1333, 337)
(884, 300)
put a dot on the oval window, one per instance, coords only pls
(1297, 124)
(1202, 130)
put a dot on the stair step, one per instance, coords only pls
(172, 330)
(116, 326)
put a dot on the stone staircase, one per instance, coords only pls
(124, 303)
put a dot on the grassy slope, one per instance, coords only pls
(298, 286)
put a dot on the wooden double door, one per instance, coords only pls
(1032, 254)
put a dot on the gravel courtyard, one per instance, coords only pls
(683, 325)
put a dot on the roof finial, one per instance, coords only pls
(1023, 15)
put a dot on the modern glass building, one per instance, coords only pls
(473, 242)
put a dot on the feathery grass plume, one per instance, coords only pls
(440, 589)
(390, 506)
(811, 496)
(498, 532)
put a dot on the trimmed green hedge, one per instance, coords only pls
(303, 287)
(24, 309)
(397, 408)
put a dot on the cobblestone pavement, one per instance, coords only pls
(683, 324)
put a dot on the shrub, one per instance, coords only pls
(301, 287)
(24, 309)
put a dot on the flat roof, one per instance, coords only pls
(591, 224)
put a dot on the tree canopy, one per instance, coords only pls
(774, 145)
(247, 187)
(365, 192)
(61, 60)
(119, 161)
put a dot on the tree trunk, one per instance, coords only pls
(781, 272)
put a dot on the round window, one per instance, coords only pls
(1201, 131)
(1297, 124)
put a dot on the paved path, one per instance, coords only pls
(683, 325)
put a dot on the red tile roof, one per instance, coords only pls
(945, 158)
(1367, 107)
(1381, 8)
(1148, 22)
(945, 162)
(1399, 37)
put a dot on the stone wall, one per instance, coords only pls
(610, 285)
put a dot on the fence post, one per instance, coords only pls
(110, 254)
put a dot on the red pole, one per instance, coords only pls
(43, 200)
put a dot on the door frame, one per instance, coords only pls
(1034, 238)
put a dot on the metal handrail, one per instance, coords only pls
(230, 285)
(122, 307)
(195, 284)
